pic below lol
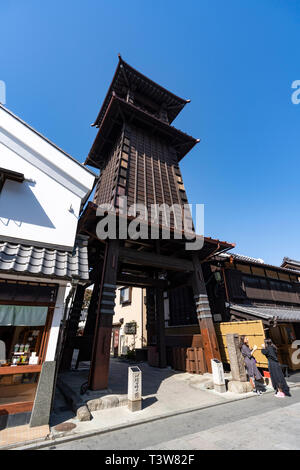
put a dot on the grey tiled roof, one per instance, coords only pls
(293, 264)
(267, 313)
(17, 258)
(242, 257)
(260, 262)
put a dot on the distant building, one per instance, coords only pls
(129, 320)
(239, 288)
(243, 288)
(290, 264)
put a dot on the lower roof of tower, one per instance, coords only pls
(169, 246)
(110, 127)
(126, 77)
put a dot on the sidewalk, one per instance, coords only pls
(165, 393)
(20, 434)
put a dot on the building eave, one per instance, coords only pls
(182, 141)
(181, 102)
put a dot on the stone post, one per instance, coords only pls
(237, 363)
(218, 376)
(239, 383)
(42, 404)
(134, 388)
(2, 352)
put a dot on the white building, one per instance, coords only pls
(130, 333)
(42, 192)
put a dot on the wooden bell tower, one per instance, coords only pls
(138, 152)
(136, 148)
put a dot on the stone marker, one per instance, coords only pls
(134, 388)
(83, 414)
(218, 376)
(110, 401)
(237, 363)
(95, 404)
(2, 351)
(42, 403)
(236, 386)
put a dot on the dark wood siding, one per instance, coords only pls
(12, 291)
(243, 287)
(182, 307)
(145, 169)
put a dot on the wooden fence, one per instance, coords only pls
(190, 360)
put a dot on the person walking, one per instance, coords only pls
(250, 363)
(277, 378)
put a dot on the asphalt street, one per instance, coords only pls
(260, 422)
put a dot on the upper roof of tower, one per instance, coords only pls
(151, 94)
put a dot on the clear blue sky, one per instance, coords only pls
(235, 60)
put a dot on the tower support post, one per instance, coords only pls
(99, 370)
(72, 327)
(207, 329)
(160, 327)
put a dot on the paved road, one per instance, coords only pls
(261, 422)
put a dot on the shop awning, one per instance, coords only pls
(267, 312)
(19, 315)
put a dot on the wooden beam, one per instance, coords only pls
(140, 281)
(155, 260)
(13, 408)
(30, 369)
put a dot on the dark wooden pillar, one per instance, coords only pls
(99, 371)
(71, 328)
(207, 329)
(150, 316)
(85, 342)
(160, 327)
(92, 310)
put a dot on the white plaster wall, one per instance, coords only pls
(131, 312)
(57, 317)
(50, 155)
(45, 207)
(38, 210)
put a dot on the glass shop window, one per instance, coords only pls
(22, 344)
(125, 295)
(21, 334)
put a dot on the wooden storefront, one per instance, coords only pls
(26, 312)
